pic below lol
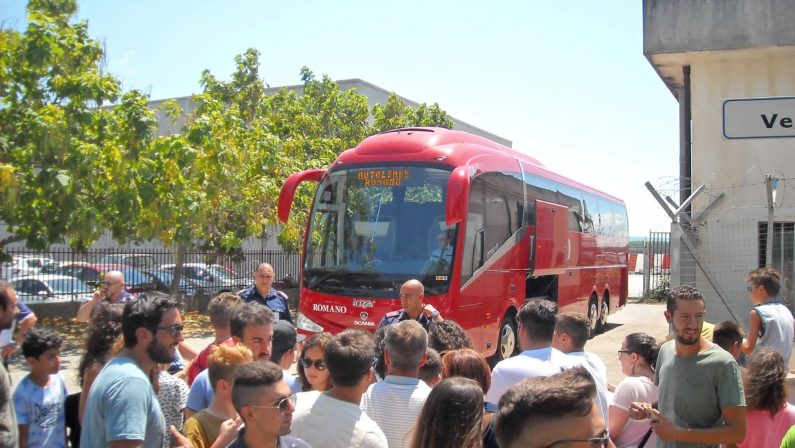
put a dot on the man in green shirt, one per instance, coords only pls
(701, 400)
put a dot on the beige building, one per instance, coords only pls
(731, 66)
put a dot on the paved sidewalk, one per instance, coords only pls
(633, 318)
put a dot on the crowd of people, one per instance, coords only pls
(418, 382)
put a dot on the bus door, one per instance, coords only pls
(552, 247)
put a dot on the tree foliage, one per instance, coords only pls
(78, 156)
(64, 159)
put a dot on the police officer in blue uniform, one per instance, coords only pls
(412, 294)
(263, 293)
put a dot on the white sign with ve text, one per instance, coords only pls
(772, 117)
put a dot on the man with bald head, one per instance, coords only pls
(111, 290)
(263, 293)
(412, 295)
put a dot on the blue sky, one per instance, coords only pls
(566, 81)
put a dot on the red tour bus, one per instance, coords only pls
(482, 226)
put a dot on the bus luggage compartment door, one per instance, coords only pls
(551, 239)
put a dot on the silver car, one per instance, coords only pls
(24, 265)
(44, 288)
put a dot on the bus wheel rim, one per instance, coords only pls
(507, 341)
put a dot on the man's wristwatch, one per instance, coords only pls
(435, 313)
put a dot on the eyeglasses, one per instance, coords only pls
(317, 364)
(109, 283)
(596, 442)
(624, 351)
(173, 330)
(284, 405)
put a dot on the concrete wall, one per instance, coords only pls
(675, 31)
(735, 49)
(728, 239)
(677, 26)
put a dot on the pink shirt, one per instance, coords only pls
(761, 431)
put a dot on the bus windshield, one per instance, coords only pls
(373, 228)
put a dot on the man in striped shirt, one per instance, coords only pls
(395, 403)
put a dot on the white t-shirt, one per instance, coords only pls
(634, 388)
(321, 420)
(395, 404)
(598, 372)
(540, 362)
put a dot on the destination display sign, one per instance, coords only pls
(383, 177)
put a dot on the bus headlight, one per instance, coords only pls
(306, 324)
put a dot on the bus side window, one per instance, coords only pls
(591, 213)
(606, 215)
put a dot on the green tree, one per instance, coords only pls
(244, 144)
(67, 164)
(397, 114)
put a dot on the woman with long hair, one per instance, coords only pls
(768, 416)
(638, 356)
(312, 370)
(470, 364)
(451, 416)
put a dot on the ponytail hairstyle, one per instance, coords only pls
(645, 346)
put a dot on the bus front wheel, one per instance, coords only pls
(508, 343)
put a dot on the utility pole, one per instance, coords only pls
(772, 185)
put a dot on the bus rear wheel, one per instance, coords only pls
(593, 314)
(508, 343)
(601, 322)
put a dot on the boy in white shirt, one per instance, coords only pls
(40, 397)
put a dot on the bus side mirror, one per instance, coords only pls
(458, 194)
(287, 194)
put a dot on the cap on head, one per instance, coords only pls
(284, 338)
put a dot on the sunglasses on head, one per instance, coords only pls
(317, 364)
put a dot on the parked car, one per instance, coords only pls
(212, 278)
(135, 281)
(24, 265)
(165, 277)
(134, 260)
(50, 288)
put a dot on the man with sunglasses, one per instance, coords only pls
(265, 404)
(111, 290)
(122, 407)
(552, 412)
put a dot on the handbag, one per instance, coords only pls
(645, 439)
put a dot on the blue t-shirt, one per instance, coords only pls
(42, 409)
(201, 392)
(122, 405)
